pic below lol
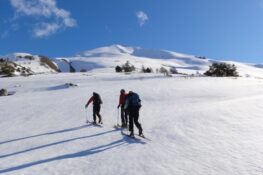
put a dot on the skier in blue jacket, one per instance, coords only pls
(133, 105)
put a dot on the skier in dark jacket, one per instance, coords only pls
(95, 98)
(133, 105)
(124, 113)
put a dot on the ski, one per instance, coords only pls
(121, 126)
(94, 124)
(88, 121)
(97, 124)
(142, 136)
(117, 126)
(132, 137)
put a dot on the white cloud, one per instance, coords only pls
(142, 17)
(46, 10)
(45, 29)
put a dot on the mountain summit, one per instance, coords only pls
(108, 57)
(116, 50)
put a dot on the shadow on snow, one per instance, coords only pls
(45, 134)
(88, 152)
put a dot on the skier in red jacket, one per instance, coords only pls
(95, 98)
(124, 113)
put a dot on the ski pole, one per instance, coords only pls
(86, 111)
(118, 117)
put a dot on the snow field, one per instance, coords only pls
(197, 126)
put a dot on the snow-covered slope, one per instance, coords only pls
(107, 58)
(111, 56)
(196, 125)
(33, 63)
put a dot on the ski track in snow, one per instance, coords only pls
(197, 126)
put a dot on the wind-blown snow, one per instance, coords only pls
(196, 125)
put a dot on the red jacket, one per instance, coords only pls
(90, 100)
(122, 99)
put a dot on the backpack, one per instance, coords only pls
(97, 99)
(135, 100)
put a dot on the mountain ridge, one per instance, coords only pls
(108, 57)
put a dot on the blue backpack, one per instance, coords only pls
(135, 100)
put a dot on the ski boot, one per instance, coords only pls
(140, 133)
(100, 120)
(131, 135)
(124, 125)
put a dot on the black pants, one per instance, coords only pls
(134, 117)
(96, 112)
(124, 115)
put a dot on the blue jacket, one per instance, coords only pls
(132, 100)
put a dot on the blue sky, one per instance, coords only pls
(219, 29)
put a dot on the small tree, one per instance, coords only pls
(143, 69)
(222, 70)
(29, 57)
(127, 67)
(147, 70)
(173, 70)
(7, 70)
(118, 69)
(163, 70)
